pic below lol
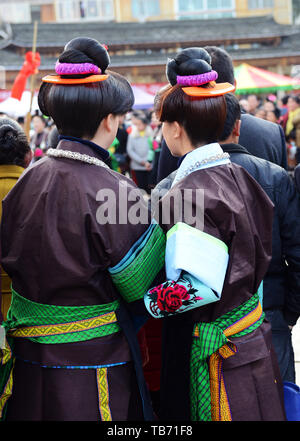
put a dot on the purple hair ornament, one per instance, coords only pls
(197, 80)
(76, 68)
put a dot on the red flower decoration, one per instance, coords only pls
(167, 298)
(170, 299)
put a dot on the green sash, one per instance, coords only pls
(50, 324)
(210, 346)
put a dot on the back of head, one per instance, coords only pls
(233, 114)
(78, 109)
(202, 118)
(13, 143)
(222, 63)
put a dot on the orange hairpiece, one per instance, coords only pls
(56, 79)
(217, 90)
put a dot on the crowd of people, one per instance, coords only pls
(171, 318)
(136, 147)
(134, 151)
(284, 111)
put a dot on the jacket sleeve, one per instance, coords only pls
(127, 243)
(196, 264)
(289, 213)
(196, 257)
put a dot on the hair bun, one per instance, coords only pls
(13, 143)
(7, 135)
(190, 61)
(85, 50)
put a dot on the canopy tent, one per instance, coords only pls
(250, 79)
(142, 99)
(15, 108)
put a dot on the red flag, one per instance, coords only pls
(30, 67)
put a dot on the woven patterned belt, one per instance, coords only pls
(209, 400)
(50, 324)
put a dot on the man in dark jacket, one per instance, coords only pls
(297, 177)
(281, 285)
(262, 138)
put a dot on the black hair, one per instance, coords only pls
(53, 138)
(233, 113)
(13, 143)
(285, 99)
(221, 62)
(77, 110)
(202, 118)
(276, 112)
(291, 136)
(190, 61)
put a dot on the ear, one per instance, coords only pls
(237, 127)
(108, 122)
(177, 129)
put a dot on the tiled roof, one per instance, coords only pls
(55, 35)
(200, 32)
(13, 61)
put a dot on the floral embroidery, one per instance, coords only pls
(166, 299)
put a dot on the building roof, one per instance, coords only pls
(55, 35)
(180, 33)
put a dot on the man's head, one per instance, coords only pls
(231, 131)
(222, 63)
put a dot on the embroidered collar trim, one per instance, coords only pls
(58, 153)
(210, 155)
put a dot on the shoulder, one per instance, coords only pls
(264, 171)
(117, 179)
(50, 173)
(263, 139)
(250, 122)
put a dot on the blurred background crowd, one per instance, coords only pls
(134, 152)
(136, 148)
(285, 112)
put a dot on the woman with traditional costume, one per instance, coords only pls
(217, 358)
(15, 156)
(79, 267)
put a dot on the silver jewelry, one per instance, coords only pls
(206, 161)
(58, 153)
